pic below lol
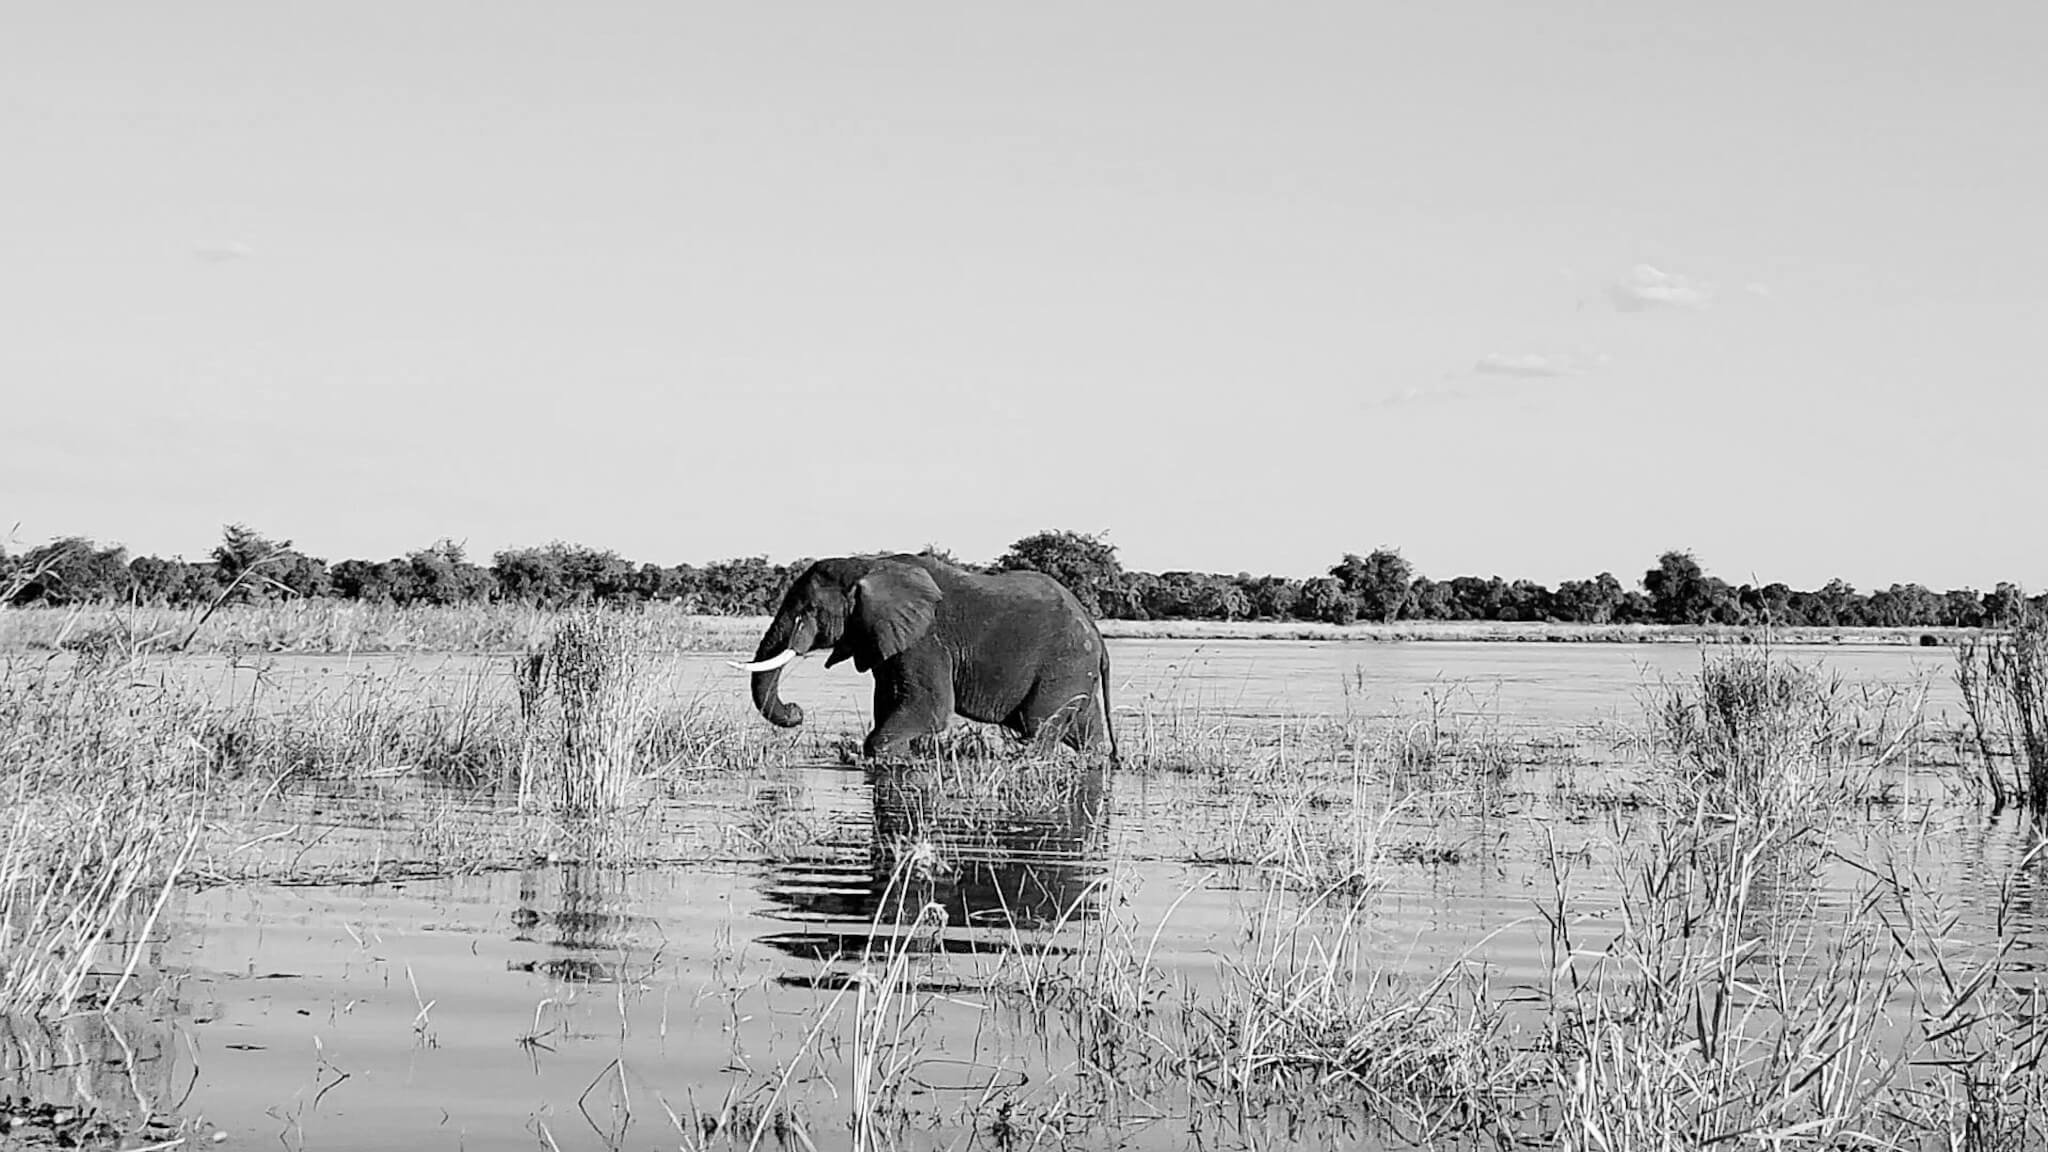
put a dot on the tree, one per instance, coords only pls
(1269, 597)
(1478, 598)
(258, 568)
(1678, 590)
(946, 554)
(442, 574)
(1527, 600)
(1847, 607)
(1904, 605)
(1379, 582)
(557, 574)
(666, 585)
(1087, 565)
(1191, 596)
(745, 587)
(70, 570)
(1772, 604)
(1429, 600)
(2004, 605)
(1962, 608)
(1324, 598)
(373, 582)
(531, 575)
(1592, 601)
(597, 575)
(172, 583)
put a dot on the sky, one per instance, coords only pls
(1537, 290)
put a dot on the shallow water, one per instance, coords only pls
(1535, 685)
(572, 1005)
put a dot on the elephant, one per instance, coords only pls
(1008, 648)
(999, 867)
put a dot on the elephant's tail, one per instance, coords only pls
(1108, 726)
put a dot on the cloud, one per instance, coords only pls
(1414, 395)
(1646, 287)
(222, 253)
(1528, 365)
(1535, 365)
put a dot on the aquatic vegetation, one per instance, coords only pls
(321, 625)
(2004, 681)
(584, 700)
(1730, 1004)
(103, 799)
(1756, 732)
(1259, 929)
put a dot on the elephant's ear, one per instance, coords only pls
(893, 607)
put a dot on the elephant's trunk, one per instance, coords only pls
(784, 638)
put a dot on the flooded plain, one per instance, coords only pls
(796, 945)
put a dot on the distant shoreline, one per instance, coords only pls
(748, 628)
(344, 627)
(1515, 632)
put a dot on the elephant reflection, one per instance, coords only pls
(588, 917)
(953, 873)
(97, 1079)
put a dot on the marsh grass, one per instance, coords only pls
(375, 724)
(427, 769)
(1458, 745)
(1310, 1010)
(1729, 999)
(2004, 683)
(865, 1035)
(344, 626)
(1304, 1021)
(104, 799)
(1756, 733)
(1731, 1007)
(88, 1080)
(585, 698)
(599, 714)
(1711, 994)
(1302, 1014)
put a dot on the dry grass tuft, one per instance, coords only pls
(343, 627)
(2004, 682)
(585, 698)
(105, 798)
(1755, 733)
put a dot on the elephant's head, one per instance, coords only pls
(869, 608)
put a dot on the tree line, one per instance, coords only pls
(1380, 586)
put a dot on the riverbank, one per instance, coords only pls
(1502, 631)
(324, 626)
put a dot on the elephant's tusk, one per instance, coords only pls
(768, 665)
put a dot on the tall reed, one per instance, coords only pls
(586, 697)
(345, 626)
(1752, 732)
(2004, 682)
(104, 794)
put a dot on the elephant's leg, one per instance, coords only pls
(910, 701)
(1058, 711)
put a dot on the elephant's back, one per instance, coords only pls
(1025, 611)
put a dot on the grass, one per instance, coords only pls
(339, 626)
(343, 627)
(1730, 1008)
(104, 800)
(1530, 632)
(2004, 682)
(1705, 991)
(109, 743)
(586, 699)
(1757, 733)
